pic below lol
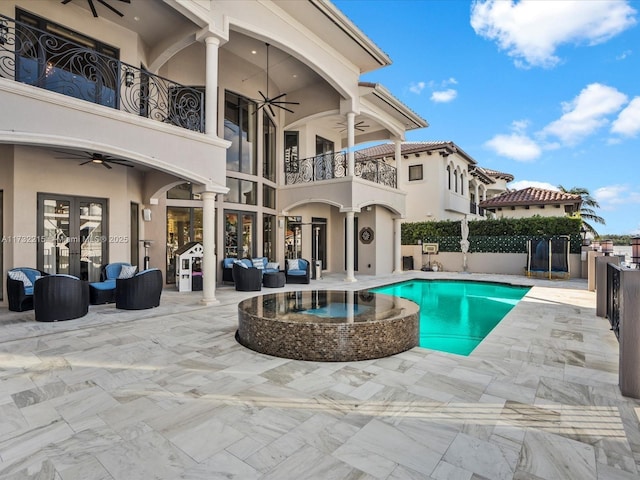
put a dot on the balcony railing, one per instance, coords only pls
(42, 59)
(334, 165)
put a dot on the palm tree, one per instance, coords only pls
(587, 212)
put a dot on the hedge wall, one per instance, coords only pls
(508, 235)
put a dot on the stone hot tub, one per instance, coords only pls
(328, 325)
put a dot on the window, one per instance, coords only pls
(241, 191)
(184, 225)
(291, 164)
(240, 130)
(1, 246)
(268, 148)
(293, 237)
(415, 172)
(268, 196)
(449, 177)
(64, 61)
(134, 238)
(183, 191)
(455, 179)
(239, 230)
(269, 236)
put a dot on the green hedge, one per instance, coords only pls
(506, 235)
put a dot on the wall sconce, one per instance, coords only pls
(281, 222)
(607, 247)
(635, 251)
(128, 77)
(4, 30)
(146, 214)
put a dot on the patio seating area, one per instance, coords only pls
(168, 393)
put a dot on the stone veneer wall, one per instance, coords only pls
(329, 342)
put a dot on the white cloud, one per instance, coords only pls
(531, 31)
(624, 55)
(610, 195)
(517, 146)
(417, 87)
(628, 122)
(444, 96)
(520, 184)
(586, 113)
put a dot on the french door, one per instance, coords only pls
(72, 235)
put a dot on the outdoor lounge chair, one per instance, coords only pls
(246, 278)
(139, 292)
(298, 271)
(20, 287)
(104, 291)
(60, 297)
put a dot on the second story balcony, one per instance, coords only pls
(66, 62)
(334, 165)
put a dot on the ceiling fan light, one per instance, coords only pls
(96, 160)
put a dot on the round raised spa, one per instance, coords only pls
(328, 325)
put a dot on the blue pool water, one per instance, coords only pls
(455, 316)
(336, 310)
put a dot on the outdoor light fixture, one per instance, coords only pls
(128, 77)
(4, 29)
(635, 251)
(607, 247)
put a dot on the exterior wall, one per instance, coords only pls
(498, 263)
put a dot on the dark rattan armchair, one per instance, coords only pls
(60, 297)
(139, 292)
(247, 279)
(20, 293)
(298, 271)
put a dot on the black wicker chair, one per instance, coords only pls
(302, 274)
(20, 297)
(139, 292)
(60, 297)
(247, 279)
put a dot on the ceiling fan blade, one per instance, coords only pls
(114, 10)
(120, 162)
(126, 1)
(282, 102)
(93, 8)
(264, 98)
(276, 98)
(64, 2)
(271, 110)
(106, 165)
(88, 161)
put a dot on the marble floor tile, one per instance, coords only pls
(168, 393)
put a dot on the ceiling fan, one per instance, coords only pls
(275, 101)
(360, 126)
(97, 158)
(103, 2)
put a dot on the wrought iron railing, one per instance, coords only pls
(472, 207)
(613, 297)
(334, 165)
(43, 59)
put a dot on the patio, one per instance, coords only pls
(168, 393)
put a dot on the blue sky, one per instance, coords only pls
(548, 91)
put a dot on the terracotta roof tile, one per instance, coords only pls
(496, 174)
(531, 196)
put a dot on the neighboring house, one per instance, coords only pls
(231, 123)
(533, 201)
(499, 185)
(442, 181)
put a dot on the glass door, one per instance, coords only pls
(73, 235)
(319, 241)
(239, 234)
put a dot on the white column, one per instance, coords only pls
(399, 170)
(350, 247)
(397, 245)
(209, 264)
(211, 85)
(351, 141)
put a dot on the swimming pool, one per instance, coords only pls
(455, 316)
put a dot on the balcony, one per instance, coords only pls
(55, 63)
(334, 165)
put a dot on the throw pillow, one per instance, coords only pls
(273, 266)
(128, 271)
(20, 276)
(241, 263)
(258, 263)
(293, 264)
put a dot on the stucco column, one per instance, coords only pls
(351, 141)
(350, 247)
(397, 245)
(209, 263)
(400, 180)
(211, 85)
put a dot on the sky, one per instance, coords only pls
(546, 90)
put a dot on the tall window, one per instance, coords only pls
(291, 142)
(268, 196)
(269, 236)
(449, 177)
(184, 225)
(269, 148)
(241, 191)
(64, 61)
(293, 237)
(239, 228)
(240, 129)
(1, 246)
(134, 237)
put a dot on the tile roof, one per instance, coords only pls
(496, 174)
(531, 196)
(407, 148)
